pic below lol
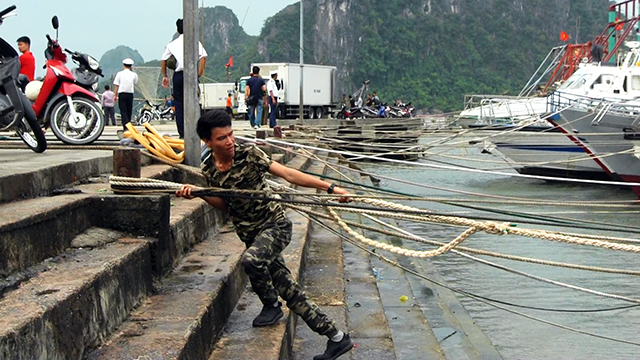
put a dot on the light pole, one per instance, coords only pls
(301, 62)
(191, 106)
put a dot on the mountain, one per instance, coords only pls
(111, 61)
(430, 52)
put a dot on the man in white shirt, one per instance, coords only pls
(125, 82)
(272, 98)
(176, 48)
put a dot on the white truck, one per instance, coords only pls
(320, 95)
(214, 95)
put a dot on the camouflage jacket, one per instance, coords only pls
(248, 170)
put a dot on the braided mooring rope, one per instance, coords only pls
(472, 225)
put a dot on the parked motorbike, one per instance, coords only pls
(369, 112)
(16, 113)
(402, 110)
(69, 106)
(150, 111)
(88, 72)
(343, 113)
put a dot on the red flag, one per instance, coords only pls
(619, 24)
(564, 36)
(230, 63)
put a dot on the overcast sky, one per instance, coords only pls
(94, 27)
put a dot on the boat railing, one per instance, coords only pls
(558, 100)
(491, 109)
(629, 108)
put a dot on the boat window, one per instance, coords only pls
(604, 80)
(577, 80)
(624, 84)
(580, 82)
(635, 82)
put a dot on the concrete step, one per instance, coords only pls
(431, 323)
(272, 342)
(28, 175)
(161, 229)
(53, 259)
(35, 229)
(366, 317)
(74, 305)
(324, 283)
(410, 330)
(189, 310)
(457, 333)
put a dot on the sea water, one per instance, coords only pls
(517, 337)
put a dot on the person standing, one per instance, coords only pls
(263, 225)
(125, 82)
(27, 61)
(176, 49)
(272, 98)
(108, 104)
(229, 109)
(253, 94)
(375, 100)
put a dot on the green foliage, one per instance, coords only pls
(417, 50)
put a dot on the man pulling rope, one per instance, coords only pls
(262, 225)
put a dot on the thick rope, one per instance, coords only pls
(401, 234)
(472, 225)
(398, 250)
(495, 228)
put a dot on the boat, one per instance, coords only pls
(546, 151)
(609, 132)
(553, 155)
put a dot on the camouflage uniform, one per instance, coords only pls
(264, 228)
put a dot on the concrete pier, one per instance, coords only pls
(90, 274)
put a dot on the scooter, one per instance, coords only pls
(150, 111)
(343, 113)
(16, 113)
(72, 111)
(88, 71)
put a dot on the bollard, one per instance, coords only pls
(277, 132)
(261, 134)
(126, 162)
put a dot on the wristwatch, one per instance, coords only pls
(330, 189)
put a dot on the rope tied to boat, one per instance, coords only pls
(143, 185)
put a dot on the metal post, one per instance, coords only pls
(191, 105)
(301, 62)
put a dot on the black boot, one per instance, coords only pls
(268, 316)
(335, 349)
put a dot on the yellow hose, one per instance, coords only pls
(155, 143)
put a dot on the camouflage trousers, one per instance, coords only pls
(270, 277)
